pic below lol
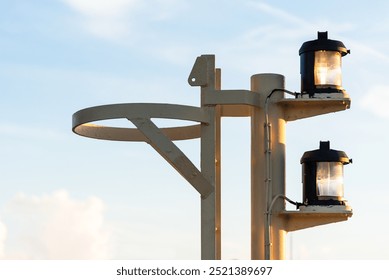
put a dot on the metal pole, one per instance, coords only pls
(218, 168)
(267, 168)
(210, 168)
(268, 117)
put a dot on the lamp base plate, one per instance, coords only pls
(326, 208)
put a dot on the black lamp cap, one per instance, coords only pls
(324, 44)
(325, 154)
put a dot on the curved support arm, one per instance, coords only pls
(173, 155)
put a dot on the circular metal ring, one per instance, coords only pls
(82, 120)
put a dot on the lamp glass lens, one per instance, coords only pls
(329, 179)
(327, 69)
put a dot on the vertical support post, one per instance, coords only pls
(210, 159)
(218, 167)
(267, 167)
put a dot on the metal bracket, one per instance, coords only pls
(295, 109)
(314, 216)
(161, 139)
(199, 74)
(173, 155)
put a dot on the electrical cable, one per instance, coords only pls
(268, 179)
(268, 221)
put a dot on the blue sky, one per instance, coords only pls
(65, 196)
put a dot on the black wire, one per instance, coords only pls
(297, 204)
(295, 94)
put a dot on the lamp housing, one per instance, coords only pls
(322, 176)
(321, 67)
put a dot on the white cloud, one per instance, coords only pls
(300, 25)
(105, 19)
(102, 8)
(266, 8)
(54, 226)
(3, 237)
(106, 28)
(166, 9)
(377, 101)
(365, 50)
(115, 19)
